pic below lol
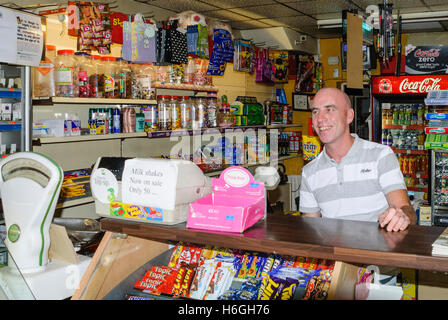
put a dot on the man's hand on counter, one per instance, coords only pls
(394, 219)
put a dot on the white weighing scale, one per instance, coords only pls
(30, 184)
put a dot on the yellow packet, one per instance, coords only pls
(311, 147)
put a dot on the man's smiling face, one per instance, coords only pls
(331, 115)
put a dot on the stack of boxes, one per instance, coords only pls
(247, 111)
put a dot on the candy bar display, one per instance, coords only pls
(211, 273)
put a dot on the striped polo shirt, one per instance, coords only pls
(355, 188)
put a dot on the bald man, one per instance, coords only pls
(352, 178)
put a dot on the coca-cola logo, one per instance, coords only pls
(424, 86)
(419, 53)
(385, 86)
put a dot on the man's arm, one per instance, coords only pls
(400, 213)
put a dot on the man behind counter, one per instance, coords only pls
(352, 178)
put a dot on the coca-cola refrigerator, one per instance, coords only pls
(398, 120)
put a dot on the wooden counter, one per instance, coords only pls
(349, 241)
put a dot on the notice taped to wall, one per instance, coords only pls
(22, 36)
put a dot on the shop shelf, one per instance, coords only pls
(10, 126)
(436, 130)
(91, 137)
(403, 127)
(280, 125)
(407, 151)
(90, 101)
(185, 132)
(436, 102)
(185, 86)
(75, 202)
(282, 158)
(10, 93)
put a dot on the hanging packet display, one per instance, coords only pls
(202, 42)
(177, 43)
(222, 52)
(305, 74)
(243, 55)
(163, 52)
(90, 22)
(281, 61)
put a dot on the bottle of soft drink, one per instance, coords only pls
(401, 115)
(389, 139)
(395, 115)
(408, 115)
(420, 115)
(384, 137)
(414, 115)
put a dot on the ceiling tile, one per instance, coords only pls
(297, 21)
(182, 5)
(320, 6)
(251, 24)
(226, 4)
(270, 11)
(226, 15)
(443, 7)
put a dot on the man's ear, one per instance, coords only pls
(350, 115)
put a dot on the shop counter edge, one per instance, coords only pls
(334, 239)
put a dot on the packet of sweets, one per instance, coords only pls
(175, 255)
(311, 147)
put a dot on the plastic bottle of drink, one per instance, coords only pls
(401, 115)
(414, 115)
(420, 115)
(408, 115)
(395, 115)
(384, 116)
(384, 137)
(389, 138)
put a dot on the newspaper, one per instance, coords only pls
(440, 246)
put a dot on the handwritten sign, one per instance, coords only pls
(149, 182)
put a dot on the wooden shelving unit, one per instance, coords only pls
(90, 101)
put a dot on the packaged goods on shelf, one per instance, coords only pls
(212, 273)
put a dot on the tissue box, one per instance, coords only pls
(236, 203)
